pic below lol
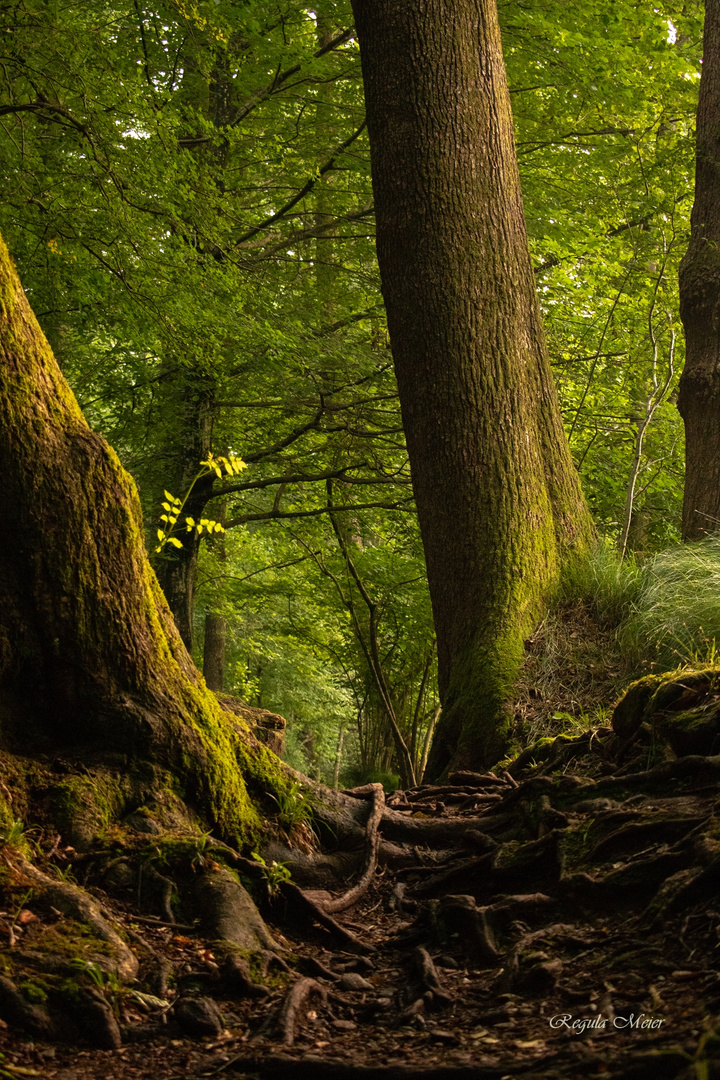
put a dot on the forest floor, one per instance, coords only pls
(573, 931)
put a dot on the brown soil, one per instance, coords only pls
(573, 670)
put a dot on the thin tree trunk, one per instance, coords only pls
(427, 744)
(192, 405)
(214, 650)
(498, 498)
(699, 397)
(654, 400)
(338, 757)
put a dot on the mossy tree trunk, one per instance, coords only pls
(699, 398)
(91, 662)
(498, 497)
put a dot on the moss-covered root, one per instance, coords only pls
(228, 912)
(77, 904)
(680, 708)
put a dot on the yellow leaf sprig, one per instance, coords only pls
(173, 518)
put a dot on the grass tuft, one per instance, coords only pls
(675, 619)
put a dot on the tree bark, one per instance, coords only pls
(192, 405)
(90, 660)
(498, 497)
(214, 650)
(699, 397)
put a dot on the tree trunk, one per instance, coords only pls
(90, 660)
(192, 405)
(699, 398)
(498, 498)
(214, 650)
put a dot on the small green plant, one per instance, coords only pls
(275, 873)
(202, 845)
(293, 807)
(107, 981)
(64, 873)
(173, 507)
(13, 835)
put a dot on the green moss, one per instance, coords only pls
(7, 817)
(7, 284)
(693, 731)
(33, 991)
(71, 940)
(118, 635)
(82, 806)
(679, 706)
(630, 710)
(538, 752)
(73, 993)
(574, 845)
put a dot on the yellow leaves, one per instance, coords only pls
(232, 465)
(228, 466)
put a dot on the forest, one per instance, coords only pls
(359, 569)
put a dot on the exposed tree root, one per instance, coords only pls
(165, 889)
(342, 903)
(309, 911)
(229, 913)
(429, 977)
(612, 866)
(77, 904)
(16, 1010)
(294, 1002)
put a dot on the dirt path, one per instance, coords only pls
(575, 932)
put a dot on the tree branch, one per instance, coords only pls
(405, 506)
(305, 190)
(282, 77)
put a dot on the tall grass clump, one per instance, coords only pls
(609, 585)
(675, 618)
(612, 585)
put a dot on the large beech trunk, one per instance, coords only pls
(91, 662)
(498, 497)
(699, 399)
